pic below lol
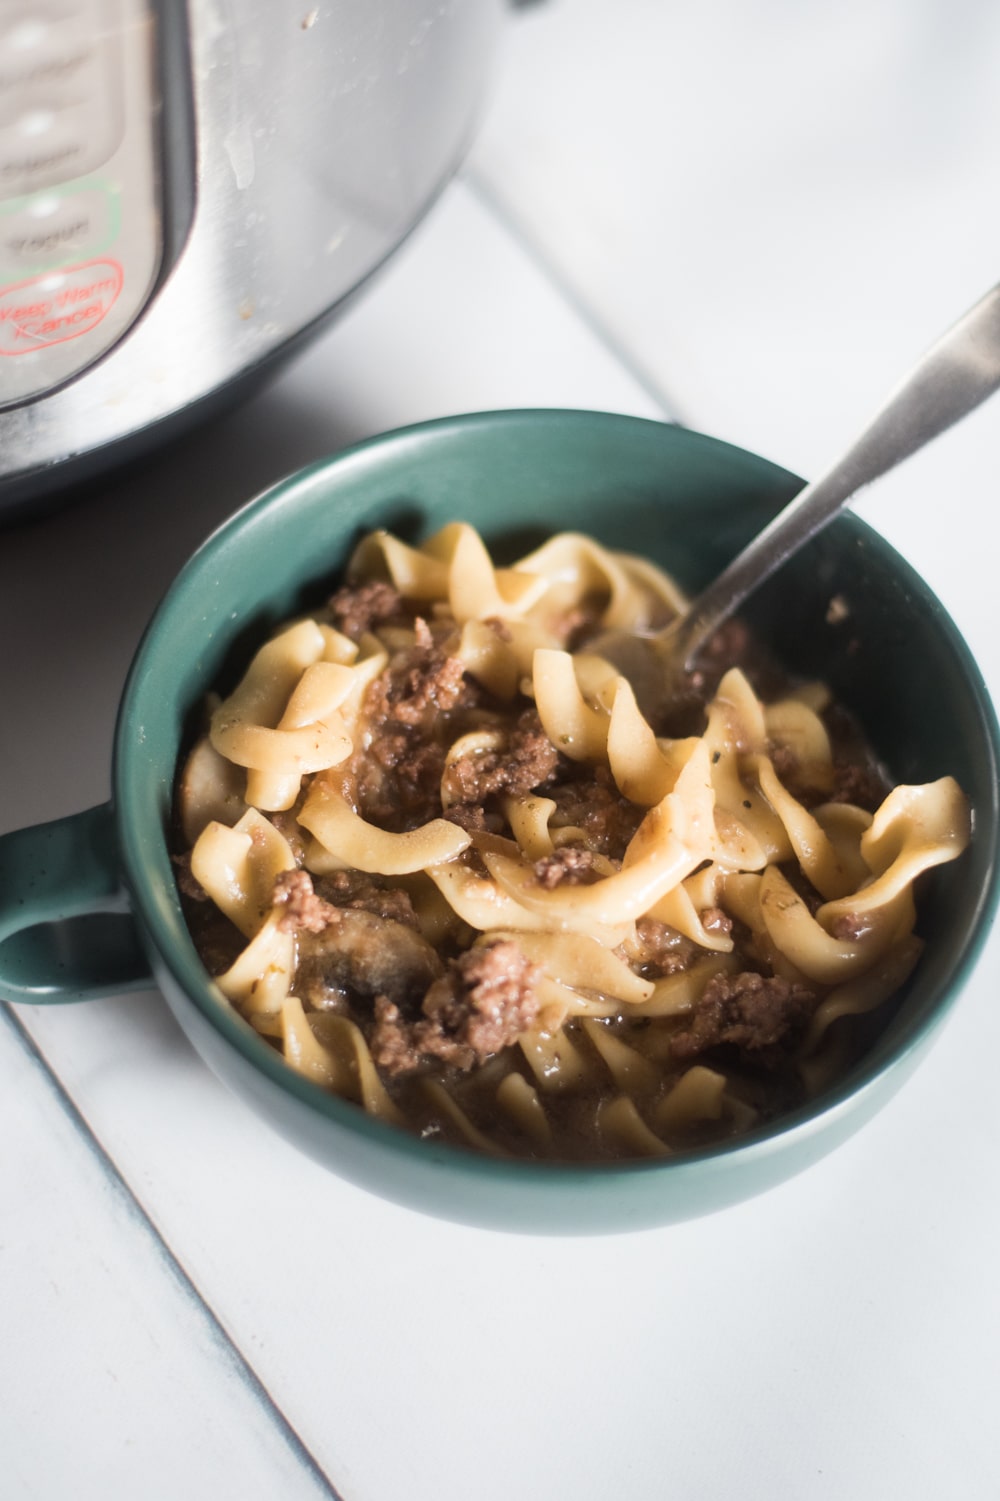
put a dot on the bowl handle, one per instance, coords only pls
(66, 933)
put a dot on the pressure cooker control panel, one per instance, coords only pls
(80, 227)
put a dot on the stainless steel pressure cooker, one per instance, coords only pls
(189, 187)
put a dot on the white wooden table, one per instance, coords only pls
(748, 217)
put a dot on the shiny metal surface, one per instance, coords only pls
(955, 375)
(320, 133)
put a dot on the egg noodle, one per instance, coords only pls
(728, 869)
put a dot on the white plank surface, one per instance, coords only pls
(774, 206)
(667, 207)
(838, 1313)
(107, 1354)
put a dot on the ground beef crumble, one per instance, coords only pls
(310, 905)
(525, 761)
(426, 681)
(590, 801)
(357, 608)
(660, 950)
(571, 864)
(482, 1004)
(762, 1016)
(302, 911)
(398, 783)
(396, 774)
(714, 920)
(472, 818)
(858, 784)
(857, 777)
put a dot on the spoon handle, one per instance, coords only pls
(952, 378)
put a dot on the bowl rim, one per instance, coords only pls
(181, 971)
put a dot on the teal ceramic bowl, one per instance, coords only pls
(684, 500)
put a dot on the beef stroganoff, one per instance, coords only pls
(433, 851)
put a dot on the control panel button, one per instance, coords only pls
(61, 103)
(57, 306)
(42, 48)
(80, 231)
(56, 226)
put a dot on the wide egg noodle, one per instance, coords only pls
(581, 963)
(344, 840)
(281, 721)
(489, 658)
(559, 1002)
(675, 995)
(237, 868)
(698, 1096)
(680, 911)
(609, 902)
(453, 565)
(210, 790)
(344, 1040)
(575, 727)
(486, 906)
(556, 1062)
(448, 1109)
(414, 571)
(260, 978)
(844, 824)
(736, 730)
(796, 726)
(528, 816)
(633, 1074)
(855, 997)
(621, 1124)
(626, 585)
(520, 1103)
(914, 829)
(645, 769)
(311, 1057)
(815, 852)
(479, 591)
(582, 567)
(816, 953)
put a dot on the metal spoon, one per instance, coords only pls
(952, 378)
